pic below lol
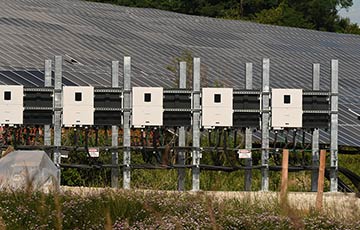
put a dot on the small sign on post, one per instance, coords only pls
(94, 152)
(64, 154)
(244, 153)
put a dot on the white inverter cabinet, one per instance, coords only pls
(11, 104)
(217, 107)
(286, 108)
(147, 106)
(78, 105)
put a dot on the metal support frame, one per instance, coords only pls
(248, 131)
(265, 125)
(315, 134)
(182, 132)
(196, 123)
(334, 127)
(196, 155)
(114, 130)
(57, 112)
(47, 83)
(126, 122)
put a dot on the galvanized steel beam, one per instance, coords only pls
(57, 112)
(265, 116)
(196, 155)
(334, 127)
(248, 131)
(126, 122)
(114, 130)
(182, 132)
(47, 83)
(315, 134)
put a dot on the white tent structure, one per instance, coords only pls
(22, 169)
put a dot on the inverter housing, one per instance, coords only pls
(11, 104)
(147, 106)
(217, 107)
(286, 108)
(78, 105)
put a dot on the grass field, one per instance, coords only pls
(86, 208)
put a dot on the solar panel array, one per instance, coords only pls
(94, 34)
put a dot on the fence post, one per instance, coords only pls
(126, 120)
(196, 155)
(47, 83)
(315, 134)
(334, 127)
(182, 133)
(265, 125)
(284, 175)
(114, 130)
(320, 188)
(248, 131)
(57, 112)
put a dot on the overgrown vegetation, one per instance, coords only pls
(161, 179)
(310, 14)
(160, 210)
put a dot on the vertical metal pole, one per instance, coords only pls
(182, 134)
(57, 112)
(115, 130)
(47, 131)
(265, 125)
(196, 156)
(334, 127)
(248, 131)
(315, 135)
(126, 119)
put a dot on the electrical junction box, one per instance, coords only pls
(11, 104)
(217, 107)
(286, 108)
(78, 105)
(147, 106)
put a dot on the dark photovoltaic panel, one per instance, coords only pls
(95, 34)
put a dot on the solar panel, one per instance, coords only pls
(96, 34)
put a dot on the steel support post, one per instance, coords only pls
(57, 112)
(181, 133)
(196, 155)
(265, 125)
(114, 130)
(248, 131)
(47, 83)
(315, 134)
(334, 127)
(126, 122)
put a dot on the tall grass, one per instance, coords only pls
(110, 209)
(167, 179)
